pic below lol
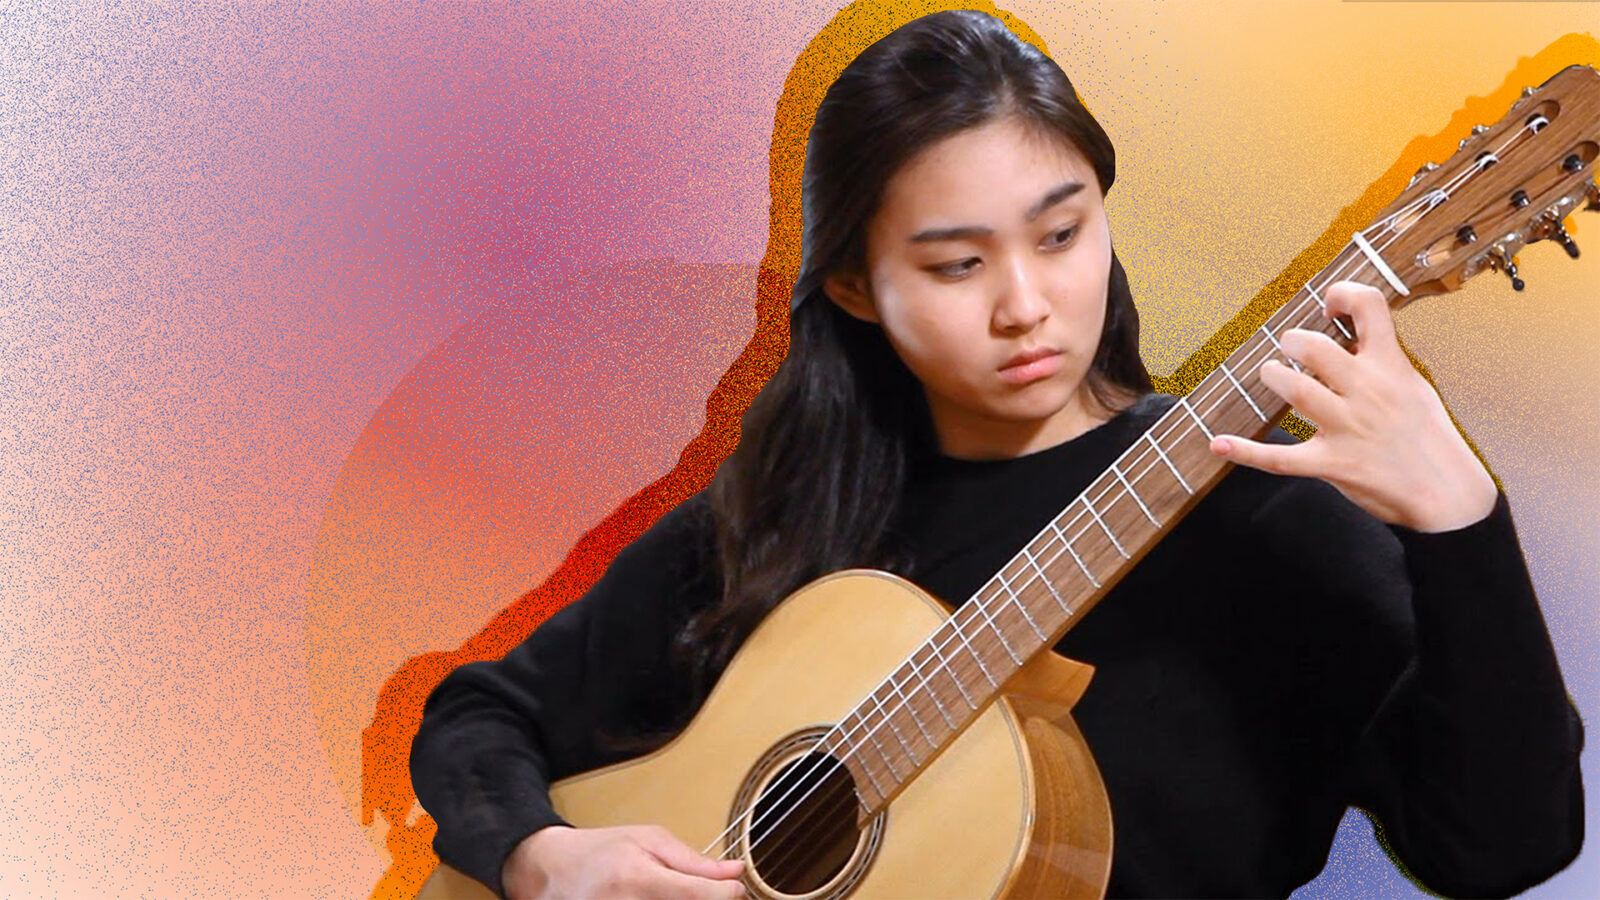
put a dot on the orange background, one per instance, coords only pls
(286, 396)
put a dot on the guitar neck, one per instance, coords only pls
(1076, 558)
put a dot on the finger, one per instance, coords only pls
(677, 885)
(1331, 363)
(678, 855)
(1301, 391)
(1369, 310)
(1279, 459)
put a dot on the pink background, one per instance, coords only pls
(276, 412)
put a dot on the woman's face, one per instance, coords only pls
(987, 266)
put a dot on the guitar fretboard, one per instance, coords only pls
(1073, 561)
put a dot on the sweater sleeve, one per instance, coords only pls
(496, 734)
(1470, 767)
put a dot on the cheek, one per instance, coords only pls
(929, 335)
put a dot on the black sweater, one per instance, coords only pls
(1279, 656)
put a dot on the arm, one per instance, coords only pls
(494, 735)
(1471, 767)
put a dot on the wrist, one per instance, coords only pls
(1461, 502)
(525, 870)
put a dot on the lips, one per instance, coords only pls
(1031, 366)
(1022, 359)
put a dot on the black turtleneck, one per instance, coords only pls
(1278, 656)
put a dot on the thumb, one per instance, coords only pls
(678, 855)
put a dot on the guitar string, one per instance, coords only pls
(841, 793)
(857, 745)
(1358, 260)
(1431, 199)
(1187, 428)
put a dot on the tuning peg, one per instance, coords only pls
(1479, 129)
(1502, 261)
(1559, 233)
(1426, 168)
(1527, 92)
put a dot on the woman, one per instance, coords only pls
(964, 360)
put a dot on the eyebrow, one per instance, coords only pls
(1056, 195)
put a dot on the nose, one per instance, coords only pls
(1021, 304)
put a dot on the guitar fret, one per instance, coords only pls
(1163, 454)
(1135, 495)
(983, 610)
(1045, 580)
(1184, 402)
(856, 749)
(1247, 398)
(1103, 527)
(949, 669)
(889, 720)
(1021, 607)
(1274, 340)
(911, 709)
(1075, 557)
(1324, 305)
(872, 735)
(927, 688)
(976, 658)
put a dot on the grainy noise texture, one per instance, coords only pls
(340, 346)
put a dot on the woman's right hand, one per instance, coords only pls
(633, 861)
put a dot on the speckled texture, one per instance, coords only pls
(273, 418)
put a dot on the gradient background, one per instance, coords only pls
(325, 333)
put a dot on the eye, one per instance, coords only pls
(1062, 238)
(955, 269)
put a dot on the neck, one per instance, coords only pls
(973, 438)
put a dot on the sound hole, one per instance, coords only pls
(803, 828)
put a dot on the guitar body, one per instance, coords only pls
(1013, 807)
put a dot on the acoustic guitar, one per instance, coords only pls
(933, 754)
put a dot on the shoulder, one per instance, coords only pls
(682, 532)
(668, 570)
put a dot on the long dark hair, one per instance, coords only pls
(825, 447)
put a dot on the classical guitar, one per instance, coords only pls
(844, 780)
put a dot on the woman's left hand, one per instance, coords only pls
(1383, 437)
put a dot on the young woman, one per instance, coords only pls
(1343, 621)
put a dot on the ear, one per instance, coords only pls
(852, 293)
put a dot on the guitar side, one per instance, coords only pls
(1013, 807)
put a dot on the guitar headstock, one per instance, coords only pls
(1509, 184)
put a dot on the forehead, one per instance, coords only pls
(989, 175)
